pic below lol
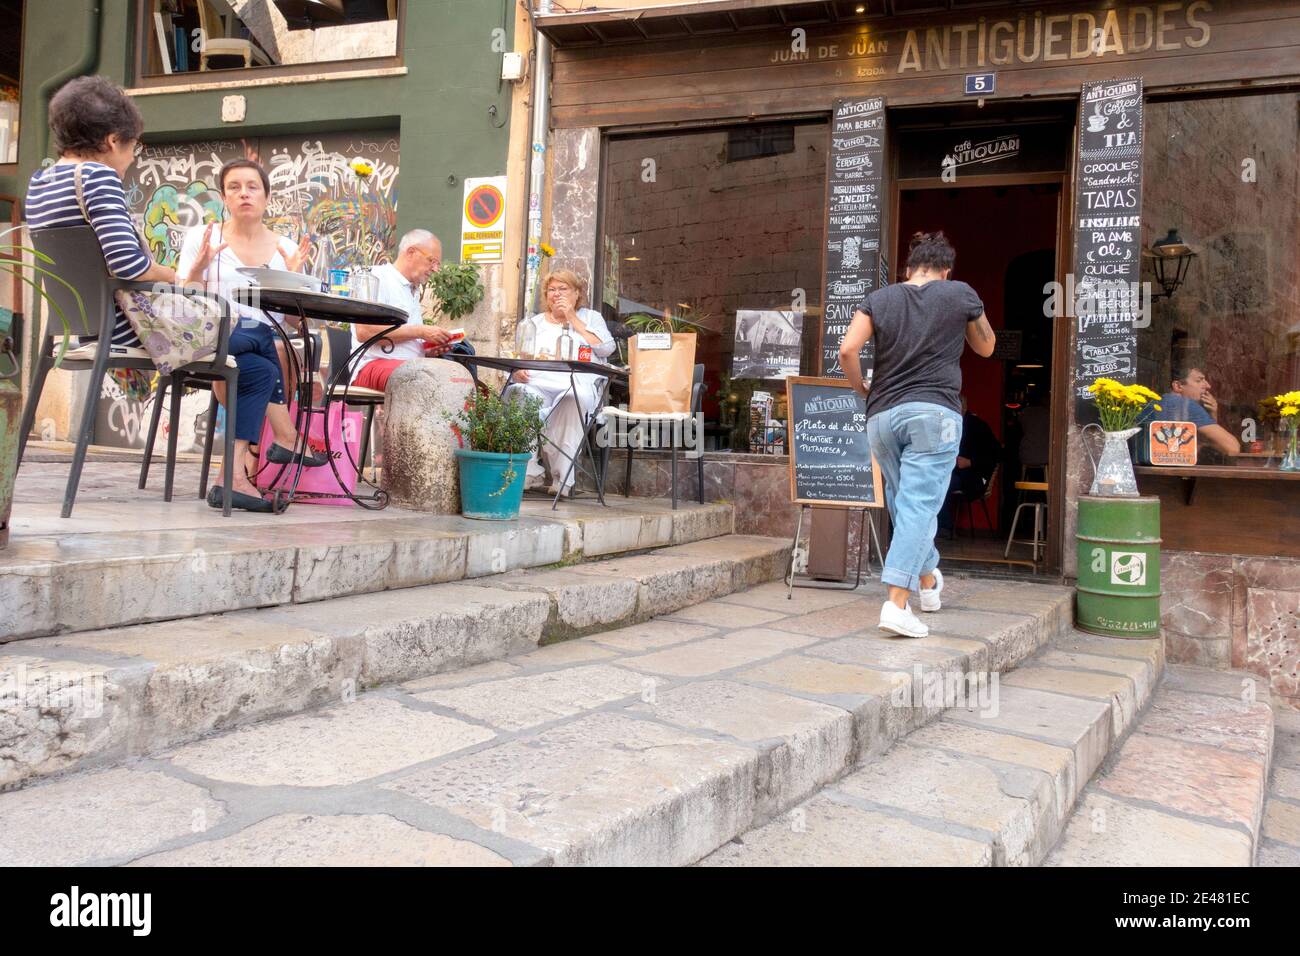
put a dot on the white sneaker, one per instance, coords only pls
(930, 596)
(901, 622)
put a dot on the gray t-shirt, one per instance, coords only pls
(919, 332)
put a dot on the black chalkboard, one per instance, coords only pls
(854, 190)
(830, 458)
(1105, 295)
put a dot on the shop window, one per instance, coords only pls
(730, 250)
(11, 41)
(1235, 316)
(202, 37)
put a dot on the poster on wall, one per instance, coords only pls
(852, 261)
(172, 187)
(1107, 236)
(768, 343)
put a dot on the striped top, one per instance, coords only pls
(52, 202)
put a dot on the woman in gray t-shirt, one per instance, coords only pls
(919, 328)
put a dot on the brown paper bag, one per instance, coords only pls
(661, 378)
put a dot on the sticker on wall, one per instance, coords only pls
(483, 225)
(1172, 443)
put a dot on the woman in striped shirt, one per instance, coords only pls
(95, 126)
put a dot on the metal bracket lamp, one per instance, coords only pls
(1170, 258)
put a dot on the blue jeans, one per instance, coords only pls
(916, 445)
(252, 345)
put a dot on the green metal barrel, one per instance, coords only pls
(1119, 567)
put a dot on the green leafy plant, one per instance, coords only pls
(689, 319)
(456, 289)
(491, 423)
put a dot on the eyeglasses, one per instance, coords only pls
(436, 260)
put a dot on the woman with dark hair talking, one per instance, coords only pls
(914, 419)
(212, 256)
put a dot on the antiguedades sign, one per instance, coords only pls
(1106, 297)
(854, 208)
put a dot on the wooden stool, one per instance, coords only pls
(1040, 514)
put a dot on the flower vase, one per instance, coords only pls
(1113, 473)
(1291, 458)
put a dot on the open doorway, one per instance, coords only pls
(1006, 238)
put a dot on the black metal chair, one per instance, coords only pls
(631, 423)
(194, 379)
(78, 260)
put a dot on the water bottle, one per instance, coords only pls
(526, 339)
(566, 347)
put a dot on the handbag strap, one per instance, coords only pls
(81, 192)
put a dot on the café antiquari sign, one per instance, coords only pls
(1031, 37)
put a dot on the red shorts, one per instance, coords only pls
(375, 373)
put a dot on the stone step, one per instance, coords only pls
(653, 743)
(991, 782)
(107, 568)
(99, 696)
(1187, 787)
(1279, 843)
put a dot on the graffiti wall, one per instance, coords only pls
(173, 187)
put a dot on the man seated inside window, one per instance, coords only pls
(1189, 400)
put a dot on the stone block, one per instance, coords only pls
(100, 818)
(1215, 721)
(717, 654)
(1107, 832)
(295, 839)
(825, 832)
(517, 703)
(651, 635)
(804, 744)
(1113, 689)
(604, 790)
(420, 470)
(333, 746)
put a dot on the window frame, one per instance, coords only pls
(143, 37)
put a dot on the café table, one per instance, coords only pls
(322, 307)
(575, 368)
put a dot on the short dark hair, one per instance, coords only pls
(1182, 369)
(930, 250)
(87, 110)
(234, 164)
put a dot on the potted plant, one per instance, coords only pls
(1119, 407)
(503, 435)
(456, 289)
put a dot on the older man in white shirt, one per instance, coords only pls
(419, 255)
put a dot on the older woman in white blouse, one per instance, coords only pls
(566, 301)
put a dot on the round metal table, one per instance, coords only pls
(302, 306)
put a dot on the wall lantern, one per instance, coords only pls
(1170, 258)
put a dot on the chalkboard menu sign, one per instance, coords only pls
(830, 458)
(1106, 296)
(854, 189)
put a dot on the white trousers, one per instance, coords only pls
(564, 429)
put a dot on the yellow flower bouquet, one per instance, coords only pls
(1288, 415)
(1119, 405)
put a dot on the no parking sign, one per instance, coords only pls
(483, 220)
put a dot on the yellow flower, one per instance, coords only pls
(548, 250)
(361, 167)
(1289, 410)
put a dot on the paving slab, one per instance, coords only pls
(1239, 685)
(1114, 689)
(775, 596)
(822, 832)
(1282, 822)
(99, 816)
(605, 789)
(804, 744)
(331, 840)
(515, 703)
(1210, 719)
(1080, 725)
(1286, 783)
(716, 654)
(718, 614)
(333, 746)
(1195, 779)
(1107, 832)
(651, 635)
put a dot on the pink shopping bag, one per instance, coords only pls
(344, 445)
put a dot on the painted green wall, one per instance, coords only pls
(440, 106)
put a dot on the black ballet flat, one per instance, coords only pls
(279, 455)
(239, 500)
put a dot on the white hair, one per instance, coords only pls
(416, 237)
